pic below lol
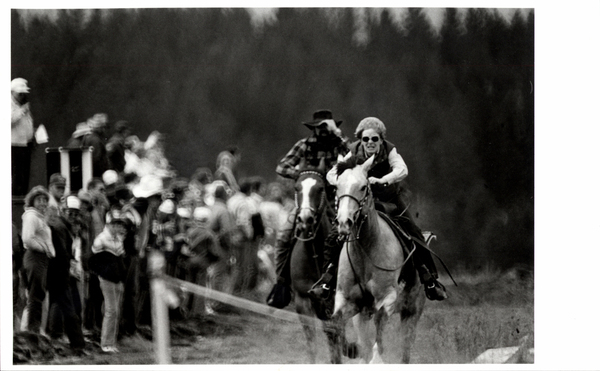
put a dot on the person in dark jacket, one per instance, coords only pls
(325, 144)
(107, 262)
(115, 148)
(97, 140)
(62, 314)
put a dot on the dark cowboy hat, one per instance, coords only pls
(318, 117)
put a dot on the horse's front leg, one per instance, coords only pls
(384, 308)
(381, 319)
(303, 307)
(365, 342)
(335, 337)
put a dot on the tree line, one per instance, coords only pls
(457, 102)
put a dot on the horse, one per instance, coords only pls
(373, 279)
(312, 226)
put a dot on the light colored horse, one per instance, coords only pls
(312, 227)
(373, 280)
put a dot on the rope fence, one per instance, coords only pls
(162, 298)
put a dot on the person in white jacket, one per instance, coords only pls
(37, 241)
(21, 136)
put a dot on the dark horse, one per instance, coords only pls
(312, 226)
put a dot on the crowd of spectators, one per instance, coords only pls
(80, 259)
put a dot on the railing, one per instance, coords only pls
(163, 297)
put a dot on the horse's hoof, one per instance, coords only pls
(350, 350)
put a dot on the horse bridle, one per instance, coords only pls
(359, 220)
(359, 217)
(318, 212)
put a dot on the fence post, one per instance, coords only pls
(160, 312)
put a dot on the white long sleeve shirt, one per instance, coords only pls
(398, 173)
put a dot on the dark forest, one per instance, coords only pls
(458, 102)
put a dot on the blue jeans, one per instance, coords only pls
(113, 296)
(36, 268)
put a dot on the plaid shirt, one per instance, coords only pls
(312, 150)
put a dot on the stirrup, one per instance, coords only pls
(320, 291)
(435, 291)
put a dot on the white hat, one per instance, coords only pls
(110, 177)
(167, 207)
(114, 216)
(97, 121)
(152, 140)
(184, 212)
(81, 129)
(202, 213)
(73, 202)
(149, 185)
(19, 85)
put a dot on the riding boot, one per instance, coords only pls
(322, 288)
(434, 290)
(423, 259)
(281, 294)
(331, 255)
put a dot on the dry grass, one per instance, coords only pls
(489, 309)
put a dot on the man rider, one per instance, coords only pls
(326, 142)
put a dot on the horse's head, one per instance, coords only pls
(310, 197)
(352, 192)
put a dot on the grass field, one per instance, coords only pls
(489, 309)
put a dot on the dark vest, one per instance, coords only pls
(381, 166)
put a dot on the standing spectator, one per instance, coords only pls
(107, 262)
(197, 186)
(244, 210)
(56, 188)
(164, 230)
(37, 241)
(76, 140)
(115, 148)
(230, 238)
(96, 138)
(204, 251)
(96, 195)
(225, 166)
(21, 136)
(241, 208)
(255, 199)
(222, 220)
(17, 263)
(97, 191)
(148, 195)
(132, 219)
(72, 214)
(64, 302)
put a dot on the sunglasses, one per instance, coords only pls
(373, 139)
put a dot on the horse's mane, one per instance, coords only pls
(350, 163)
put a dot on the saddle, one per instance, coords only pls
(400, 234)
(409, 243)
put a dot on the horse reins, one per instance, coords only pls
(359, 223)
(359, 217)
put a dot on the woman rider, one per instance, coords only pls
(384, 176)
